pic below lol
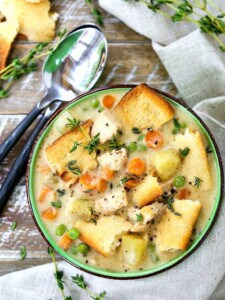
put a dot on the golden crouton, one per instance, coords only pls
(147, 191)
(174, 232)
(104, 236)
(142, 107)
(8, 32)
(59, 154)
(34, 19)
(195, 164)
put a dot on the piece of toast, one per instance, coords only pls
(142, 107)
(58, 154)
(174, 232)
(147, 191)
(8, 32)
(105, 235)
(34, 18)
(195, 164)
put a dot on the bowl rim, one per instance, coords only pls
(218, 163)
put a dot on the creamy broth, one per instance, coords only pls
(43, 177)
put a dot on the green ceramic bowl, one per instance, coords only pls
(139, 273)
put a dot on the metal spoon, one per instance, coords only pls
(73, 68)
(86, 80)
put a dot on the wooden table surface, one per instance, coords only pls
(131, 59)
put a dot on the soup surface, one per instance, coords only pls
(124, 182)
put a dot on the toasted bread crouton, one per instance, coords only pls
(142, 107)
(34, 19)
(174, 232)
(195, 164)
(8, 32)
(105, 235)
(112, 201)
(115, 160)
(58, 154)
(147, 191)
(106, 125)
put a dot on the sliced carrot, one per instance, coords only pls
(136, 166)
(87, 181)
(43, 194)
(108, 101)
(131, 183)
(45, 169)
(107, 173)
(49, 214)
(101, 185)
(154, 139)
(64, 241)
(183, 194)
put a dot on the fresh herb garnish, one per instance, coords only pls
(23, 252)
(58, 275)
(184, 152)
(95, 12)
(25, 65)
(13, 226)
(73, 123)
(56, 204)
(75, 145)
(151, 247)
(176, 125)
(79, 281)
(93, 143)
(141, 137)
(115, 144)
(61, 192)
(140, 217)
(124, 179)
(94, 216)
(208, 149)
(73, 167)
(197, 181)
(136, 130)
(169, 199)
(197, 12)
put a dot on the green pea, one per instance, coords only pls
(132, 147)
(60, 230)
(73, 233)
(179, 181)
(142, 147)
(94, 103)
(83, 249)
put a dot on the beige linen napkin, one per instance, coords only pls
(197, 68)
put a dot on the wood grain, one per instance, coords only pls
(131, 60)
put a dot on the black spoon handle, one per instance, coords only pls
(10, 141)
(19, 165)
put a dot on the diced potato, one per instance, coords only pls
(133, 249)
(166, 163)
(80, 207)
(61, 122)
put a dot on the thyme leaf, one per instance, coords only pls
(197, 181)
(140, 217)
(73, 167)
(56, 204)
(184, 152)
(93, 143)
(23, 252)
(75, 145)
(73, 123)
(13, 226)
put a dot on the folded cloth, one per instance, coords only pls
(196, 66)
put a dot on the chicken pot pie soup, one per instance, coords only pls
(124, 181)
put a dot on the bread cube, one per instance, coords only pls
(166, 163)
(147, 191)
(133, 249)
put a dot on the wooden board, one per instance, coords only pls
(131, 60)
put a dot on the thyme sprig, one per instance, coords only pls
(73, 167)
(168, 200)
(95, 12)
(79, 281)
(197, 12)
(25, 65)
(197, 181)
(93, 143)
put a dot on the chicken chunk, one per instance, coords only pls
(115, 160)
